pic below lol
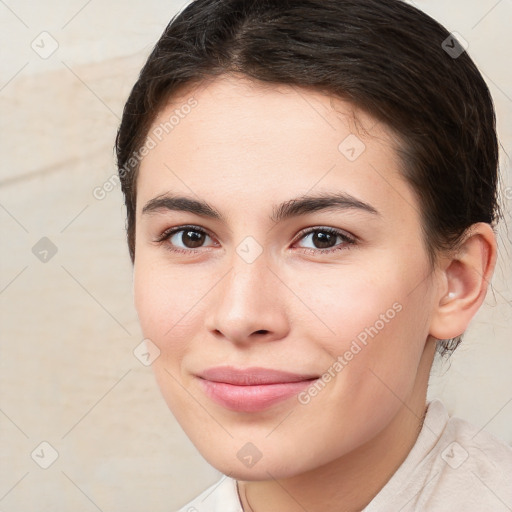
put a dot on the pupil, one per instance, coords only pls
(195, 239)
(321, 237)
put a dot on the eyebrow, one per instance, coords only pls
(303, 205)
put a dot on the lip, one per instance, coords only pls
(251, 389)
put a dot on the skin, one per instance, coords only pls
(244, 148)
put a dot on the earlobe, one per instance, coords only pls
(466, 277)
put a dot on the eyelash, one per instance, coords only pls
(347, 240)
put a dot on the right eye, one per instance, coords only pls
(191, 238)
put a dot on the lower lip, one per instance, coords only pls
(252, 398)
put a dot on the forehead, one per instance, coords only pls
(234, 136)
(253, 111)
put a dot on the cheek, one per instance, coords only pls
(377, 322)
(164, 309)
(163, 305)
(348, 303)
(374, 357)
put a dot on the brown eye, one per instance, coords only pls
(185, 239)
(190, 238)
(324, 240)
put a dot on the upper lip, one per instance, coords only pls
(252, 376)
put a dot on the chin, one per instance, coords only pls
(243, 461)
(259, 472)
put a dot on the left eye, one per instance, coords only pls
(326, 238)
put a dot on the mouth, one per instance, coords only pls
(251, 389)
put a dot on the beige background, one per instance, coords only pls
(68, 373)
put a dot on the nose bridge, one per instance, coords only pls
(245, 284)
(249, 268)
(246, 300)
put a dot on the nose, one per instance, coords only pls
(246, 305)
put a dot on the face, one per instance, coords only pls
(280, 323)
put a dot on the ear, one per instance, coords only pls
(464, 278)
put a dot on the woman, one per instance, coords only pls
(311, 195)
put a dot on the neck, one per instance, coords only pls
(349, 483)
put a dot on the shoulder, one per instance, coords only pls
(220, 497)
(473, 466)
(482, 458)
(474, 447)
(453, 467)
